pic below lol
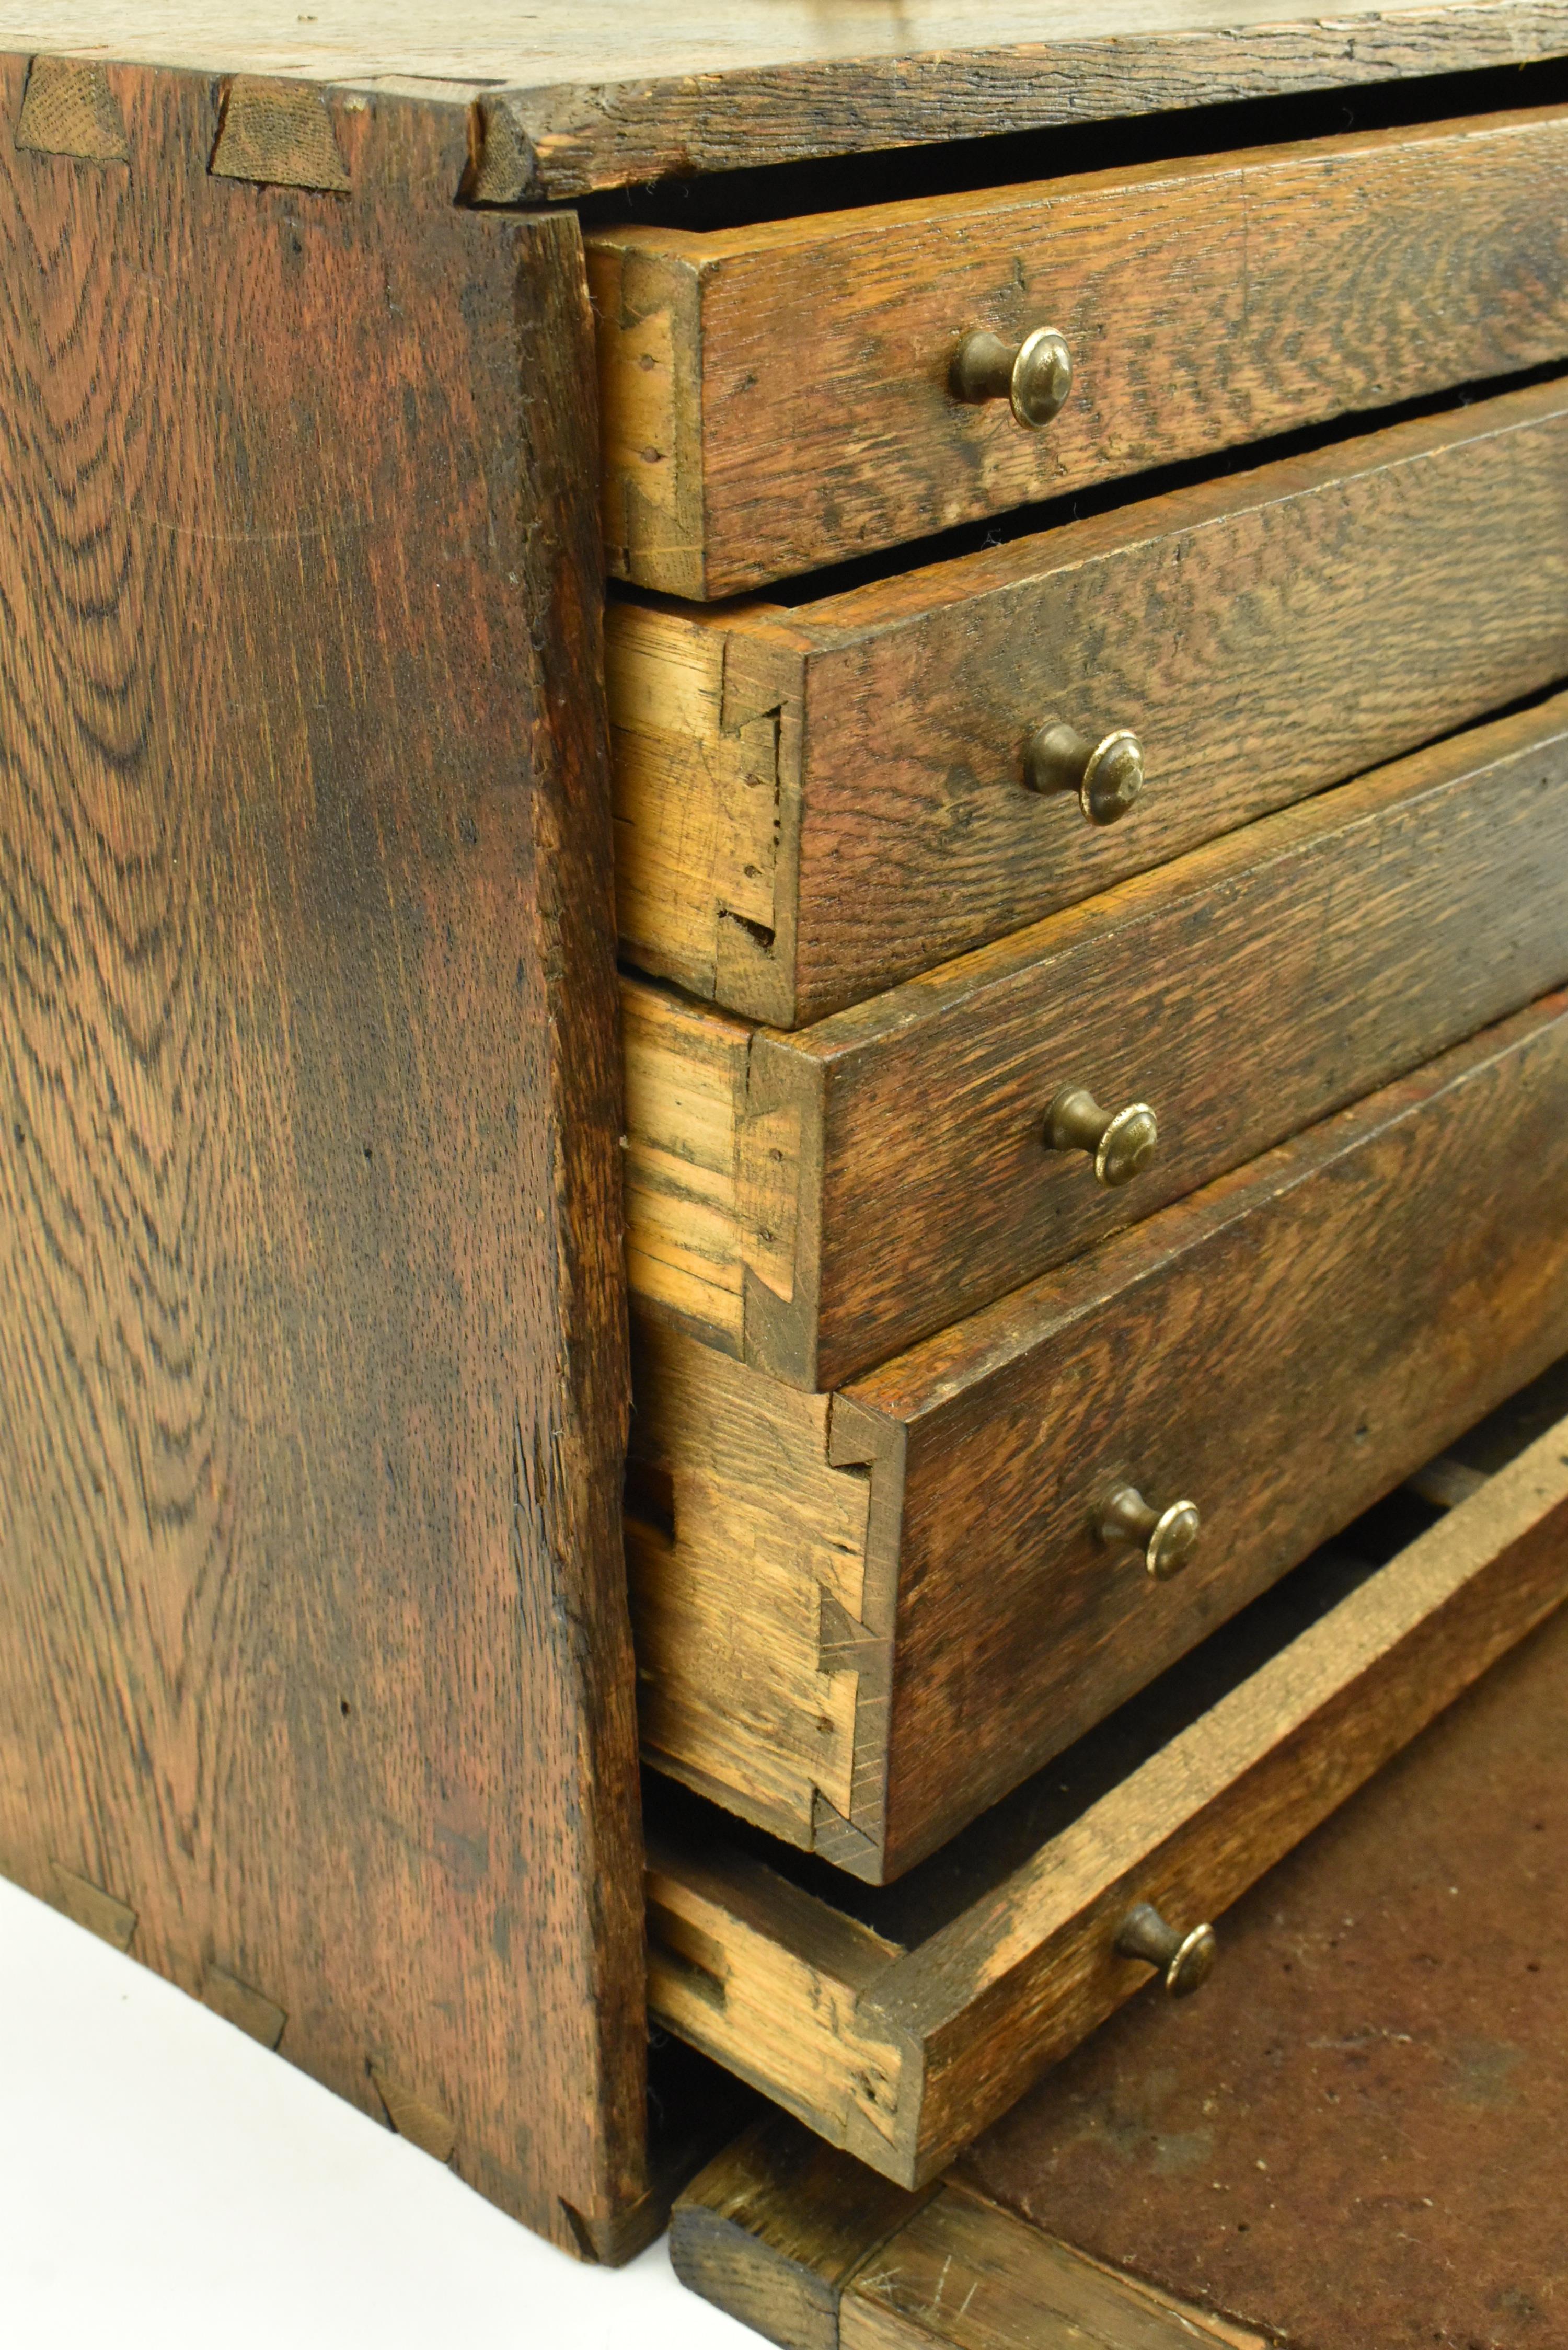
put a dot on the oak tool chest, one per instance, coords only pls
(784, 910)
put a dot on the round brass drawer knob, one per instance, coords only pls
(1186, 1959)
(1121, 1142)
(1106, 775)
(1034, 376)
(1168, 1538)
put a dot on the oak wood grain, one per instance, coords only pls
(314, 1651)
(602, 93)
(806, 413)
(1264, 635)
(1281, 1347)
(1245, 990)
(964, 2020)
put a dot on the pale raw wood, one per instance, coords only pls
(279, 132)
(770, 1537)
(685, 1073)
(804, 364)
(571, 98)
(1245, 990)
(1275, 632)
(941, 1540)
(936, 2040)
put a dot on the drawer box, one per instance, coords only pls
(812, 1202)
(814, 803)
(899, 2025)
(861, 1619)
(779, 396)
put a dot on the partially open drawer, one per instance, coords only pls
(900, 2021)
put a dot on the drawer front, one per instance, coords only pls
(900, 2025)
(812, 805)
(861, 1619)
(815, 1202)
(781, 397)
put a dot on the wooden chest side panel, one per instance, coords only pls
(314, 1654)
(1281, 1348)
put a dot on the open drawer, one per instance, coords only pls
(900, 2021)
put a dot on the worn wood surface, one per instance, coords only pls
(1264, 635)
(567, 98)
(897, 1178)
(1280, 1348)
(1354, 2148)
(816, 2252)
(789, 381)
(901, 2054)
(314, 1654)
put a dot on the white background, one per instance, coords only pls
(164, 2181)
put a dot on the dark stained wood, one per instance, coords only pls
(902, 2055)
(790, 381)
(1244, 991)
(1280, 1348)
(314, 1652)
(813, 805)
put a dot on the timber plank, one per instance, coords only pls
(585, 94)
(1275, 632)
(1244, 991)
(314, 1652)
(797, 411)
(1281, 1347)
(961, 2021)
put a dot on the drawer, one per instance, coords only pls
(899, 2023)
(812, 805)
(862, 1618)
(812, 1202)
(781, 397)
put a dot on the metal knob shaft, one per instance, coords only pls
(1034, 376)
(1106, 775)
(1167, 1538)
(1121, 1142)
(1187, 1959)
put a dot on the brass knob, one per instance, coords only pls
(1188, 1959)
(1121, 1142)
(1167, 1538)
(1108, 776)
(1034, 376)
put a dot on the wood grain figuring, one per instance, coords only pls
(604, 93)
(1263, 635)
(815, 2252)
(965, 2019)
(804, 364)
(1244, 989)
(1281, 1348)
(313, 1641)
